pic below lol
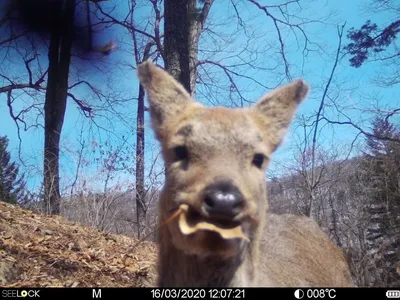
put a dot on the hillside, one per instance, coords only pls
(40, 250)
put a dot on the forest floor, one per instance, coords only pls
(49, 251)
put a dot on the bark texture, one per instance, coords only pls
(56, 99)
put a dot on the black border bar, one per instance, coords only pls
(199, 293)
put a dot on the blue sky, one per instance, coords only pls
(350, 87)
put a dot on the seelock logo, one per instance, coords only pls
(20, 294)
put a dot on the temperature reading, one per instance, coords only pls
(321, 293)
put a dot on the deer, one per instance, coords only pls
(215, 227)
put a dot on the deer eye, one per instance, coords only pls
(258, 160)
(181, 153)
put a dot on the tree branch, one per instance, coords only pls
(82, 106)
(368, 134)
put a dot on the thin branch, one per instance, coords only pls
(82, 106)
(16, 86)
(127, 25)
(16, 119)
(321, 106)
(368, 134)
(227, 69)
(158, 36)
(282, 45)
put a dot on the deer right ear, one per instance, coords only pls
(167, 97)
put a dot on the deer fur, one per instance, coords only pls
(284, 250)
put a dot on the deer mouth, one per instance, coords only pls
(194, 217)
(191, 221)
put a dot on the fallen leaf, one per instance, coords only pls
(7, 236)
(47, 232)
(186, 229)
(10, 258)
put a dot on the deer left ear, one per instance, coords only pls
(167, 97)
(274, 111)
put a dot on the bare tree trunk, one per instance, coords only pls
(194, 31)
(176, 40)
(56, 100)
(196, 23)
(182, 29)
(140, 142)
(140, 190)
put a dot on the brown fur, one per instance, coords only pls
(221, 142)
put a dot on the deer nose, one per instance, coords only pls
(223, 200)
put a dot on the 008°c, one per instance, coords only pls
(315, 293)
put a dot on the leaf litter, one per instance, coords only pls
(38, 250)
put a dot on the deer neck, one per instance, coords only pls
(177, 269)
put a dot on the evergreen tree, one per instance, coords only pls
(382, 165)
(12, 187)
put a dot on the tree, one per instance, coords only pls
(145, 46)
(178, 50)
(12, 187)
(372, 42)
(381, 167)
(183, 24)
(224, 66)
(56, 99)
(55, 22)
(376, 43)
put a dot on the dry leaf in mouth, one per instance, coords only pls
(185, 228)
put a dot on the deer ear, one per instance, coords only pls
(274, 111)
(167, 97)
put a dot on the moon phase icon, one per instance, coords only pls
(298, 294)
